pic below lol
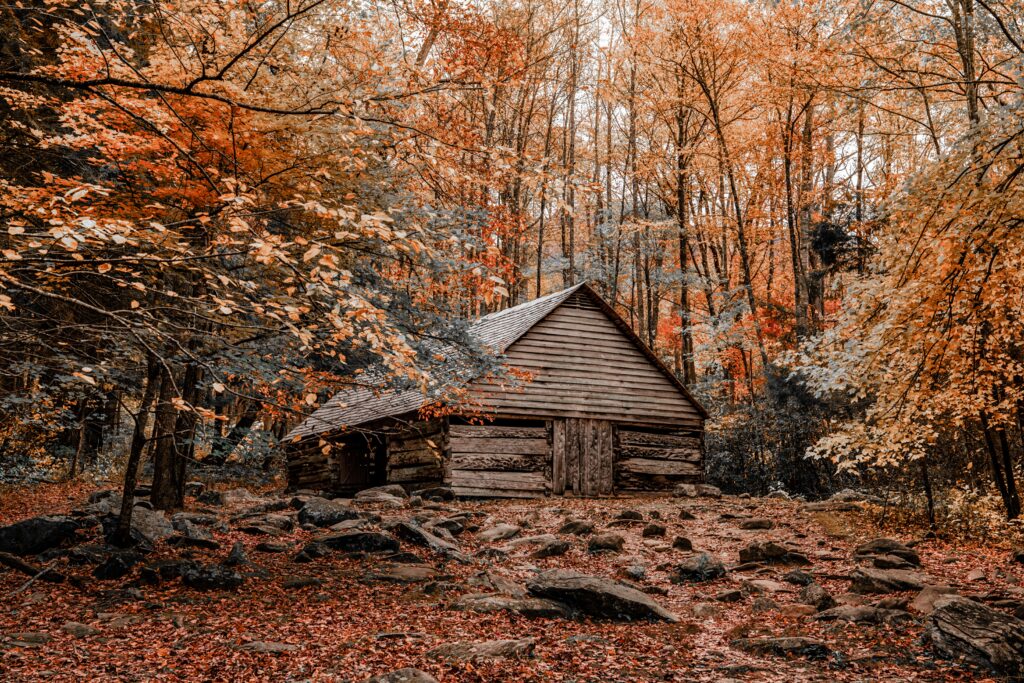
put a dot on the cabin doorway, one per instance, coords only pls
(582, 453)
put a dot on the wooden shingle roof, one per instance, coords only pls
(358, 405)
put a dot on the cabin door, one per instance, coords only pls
(582, 457)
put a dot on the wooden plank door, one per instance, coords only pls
(582, 457)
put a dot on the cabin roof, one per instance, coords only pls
(495, 331)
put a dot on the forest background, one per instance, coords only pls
(213, 215)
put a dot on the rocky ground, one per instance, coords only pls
(687, 588)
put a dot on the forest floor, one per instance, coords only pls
(352, 620)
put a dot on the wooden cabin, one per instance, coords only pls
(599, 413)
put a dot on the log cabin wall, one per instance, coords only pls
(583, 366)
(582, 457)
(649, 460)
(501, 460)
(337, 463)
(416, 454)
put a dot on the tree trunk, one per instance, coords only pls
(122, 534)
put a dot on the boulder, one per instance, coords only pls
(577, 527)
(403, 573)
(756, 523)
(686, 515)
(793, 646)
(164, 570)
(406, 675)
(798, 577)
(924, 602)
(654, 531)
(631, 515)
(696, 491)
(391, 490)
(816, 596)
(237, 555)
(210, 577)
(867, 580)
(961, 628)
(490, 649)
(321, 512)
(33, 536)
(606, 543)
(770, 552)
(851, 496)
(441, 493)
(553, 548)
(697, 568)
(863, 614)
(359, 541)
(888, 546)
(499, 532)
(682, 543)
(417, 535)
(533, 608)
(598, 597)
(117, 565)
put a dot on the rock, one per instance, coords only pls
(211, 498)
(889, 562)
(697, 568)
(977, 574)
(797, 646)
(606, 542)
(863, 614)
(682, 543)
(756, 523)
(597, 597)
(406, 675)
(758, 586)
(498, 583)
(729, 596)
(486, 603)
(272, 547)
(451, 525)
(779, 495)
(267, 647)
(117, 565)
(696, 490)
(961, 628)
(321, 512)
(490, 649)
(798, 577)
(33, 536)
(686, 515)
(796, 610)
(417, 535)
(551, 549)
(816, 596)
(403, 557)
(403, 573)
(925, 601)
(708, 491)
(654, 531)
(165, 570)
(210, 577)
(186, 527)
(770, 552)
(239, 496)
(851, 496)
(635, 572)
(359, 541)
(888, 546)
(867, 580)
(763, 604)
(390, 490)
(442, 493)
(299, 582)
(194, 489)
(632, 515)
(237, 555)
(577, 527)
(30, 638)
(182, 541)
(499, 532)
(78, 630)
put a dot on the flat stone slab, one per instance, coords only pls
(598, 597)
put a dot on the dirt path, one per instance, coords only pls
(347, 625)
